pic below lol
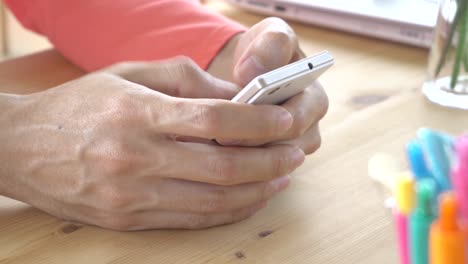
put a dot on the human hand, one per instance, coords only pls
(103, 150)
(266, 46)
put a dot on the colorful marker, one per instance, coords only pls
(421, 220)
(446, 238)
(460, 180)
(404, 195)
(416, 160)
(434, 146)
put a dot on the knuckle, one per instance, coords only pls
(122, 111)
(114, 199)
(280, 164)
(188, 68)
(281, 33)
(323, 107)
(208, 118)
(215, 202)
(120, 68)
(114, 167)
(300, 124)
(313, 145)
(301, 120)
(223, 170)
(118, 160)
(323, 102)
(125, 69)
(184, 60)
(275, 20)
(197, 221)
(279, 37)
(183, 69)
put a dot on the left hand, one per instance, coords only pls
(268, 45)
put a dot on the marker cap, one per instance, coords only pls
(421, 220)
(446, 239)
(416, 160)
(425, 196)
(434, 146)
(404, 192)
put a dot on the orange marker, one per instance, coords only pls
(446, 239)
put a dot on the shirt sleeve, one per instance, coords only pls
(97, 33)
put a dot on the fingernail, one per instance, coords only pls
(298, 157)
(280, 183)
(251, 68)
(285, 121)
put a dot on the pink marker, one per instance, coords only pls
(401, 223)
(404, 196)
(460, 180)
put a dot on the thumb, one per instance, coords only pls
(266, 46)
(179, 77)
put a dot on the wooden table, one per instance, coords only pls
(332, 213)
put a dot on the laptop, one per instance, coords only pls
(405, 21)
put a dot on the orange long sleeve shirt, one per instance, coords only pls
(97, 33)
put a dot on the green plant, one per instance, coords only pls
(460, 25)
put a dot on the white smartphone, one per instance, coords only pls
(277, 86)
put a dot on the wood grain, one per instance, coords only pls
(332, 213)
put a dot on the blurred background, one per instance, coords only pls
(14, 39)
(392, 21)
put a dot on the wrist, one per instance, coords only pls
(11, 106)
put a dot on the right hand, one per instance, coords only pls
(103, 150)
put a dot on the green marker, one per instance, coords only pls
(421, 220)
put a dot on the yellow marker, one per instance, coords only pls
(404, 192)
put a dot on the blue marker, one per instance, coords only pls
(435, 147)
(416, 160)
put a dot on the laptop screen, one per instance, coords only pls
(417, 12)
(406, 21)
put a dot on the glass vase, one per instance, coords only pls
(447, 78)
